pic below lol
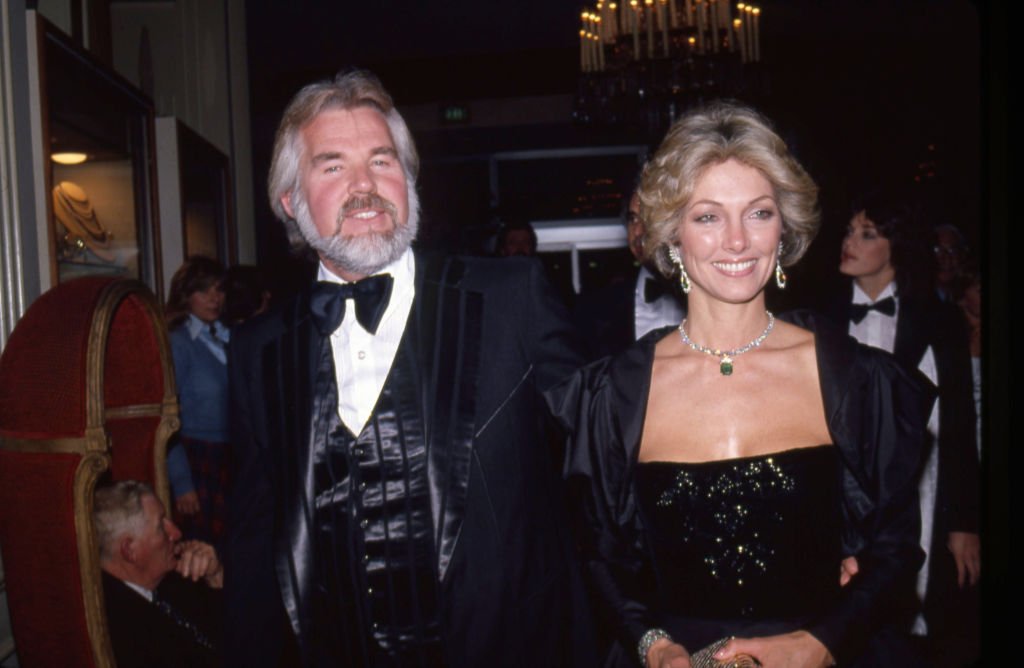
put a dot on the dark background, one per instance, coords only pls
(865, 93)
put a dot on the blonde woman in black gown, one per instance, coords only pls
(729, 465)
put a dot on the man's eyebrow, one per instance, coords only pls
(326, 156)
(385, 150)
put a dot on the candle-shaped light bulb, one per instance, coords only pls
(649, 16)
(583, 50)
(757, 34)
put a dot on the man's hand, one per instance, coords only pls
(666, 654)
(187, 504)
(198, 560)
(847, 569)
(793, 650)
(966, 549)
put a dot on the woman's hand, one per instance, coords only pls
(666, 654)
(187, 504)
(966, 549)
(790, 650)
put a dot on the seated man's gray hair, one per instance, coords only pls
(117, 508)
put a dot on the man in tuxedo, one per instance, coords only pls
(395, 501)
(162, 607)
(610, 319)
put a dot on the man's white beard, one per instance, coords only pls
(364, 254)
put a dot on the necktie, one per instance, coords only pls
(885, 306)
(211, 337)
(182, 621)
(371, 295)
(654, 289)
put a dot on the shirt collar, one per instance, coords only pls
(196, 326)
(140, 590)
(642, 276)
(402, 270)
(861, 297)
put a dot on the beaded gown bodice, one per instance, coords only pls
(755, 538)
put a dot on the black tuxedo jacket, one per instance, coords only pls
(923, 322)
(489, 336)
(144, 637)
(606, 320)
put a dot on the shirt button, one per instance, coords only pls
(366, 558)
(358, 452)
(362, 354)
(362, 487)
(369, 591)
(364, 523)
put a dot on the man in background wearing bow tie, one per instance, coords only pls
(396, 502)
(610, 319)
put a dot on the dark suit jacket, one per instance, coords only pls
(489, 336)
(605, 319)
(144, 637)
(923, 322)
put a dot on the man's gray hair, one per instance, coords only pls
(348, 90)
(117, 509)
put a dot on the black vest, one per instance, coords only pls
(377, 596)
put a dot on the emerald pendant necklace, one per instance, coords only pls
(725, 357)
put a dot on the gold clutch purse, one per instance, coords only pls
(705, 658)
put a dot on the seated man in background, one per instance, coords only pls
(158, 611)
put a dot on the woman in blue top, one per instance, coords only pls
(198, 464)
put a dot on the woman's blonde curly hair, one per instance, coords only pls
(709, 136)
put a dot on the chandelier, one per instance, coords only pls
(643, 62)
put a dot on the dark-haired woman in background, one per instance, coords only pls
(887, 253)
(728, 465)
(197, 465)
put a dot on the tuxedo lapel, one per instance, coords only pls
(290, 364)
(911, 333)
(444, 337)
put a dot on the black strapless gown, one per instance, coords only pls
(742, 547)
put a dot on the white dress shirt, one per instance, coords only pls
(362, 360)
(140, 590)
(663, 311)
(878, 330)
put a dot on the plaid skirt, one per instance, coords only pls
(209, 462)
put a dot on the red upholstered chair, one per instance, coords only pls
(86, 386)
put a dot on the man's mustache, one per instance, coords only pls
(371, 201)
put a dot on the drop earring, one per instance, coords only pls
(780, 276)
(684, 280)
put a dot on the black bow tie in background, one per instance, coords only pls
(885, 306)
(654, 289)
(371, 295)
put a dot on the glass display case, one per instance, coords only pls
(97, 134)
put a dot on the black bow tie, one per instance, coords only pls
(654, 289)
(885, 306)
(371, 295)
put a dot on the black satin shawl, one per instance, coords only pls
(876, 414)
